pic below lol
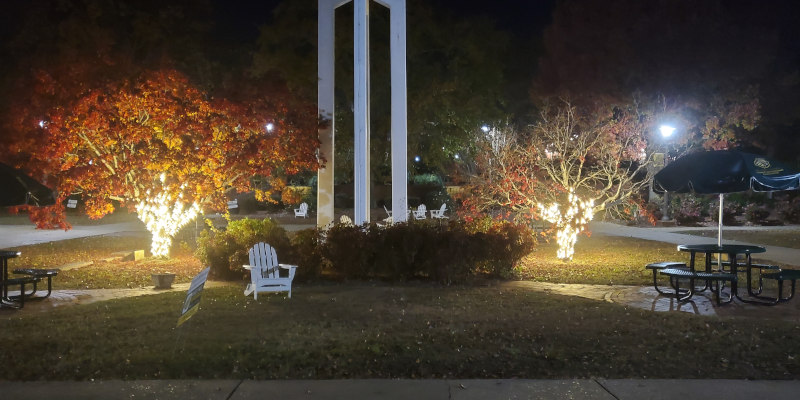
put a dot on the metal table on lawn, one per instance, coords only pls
(732, 250)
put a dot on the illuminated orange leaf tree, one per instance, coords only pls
(570, 166)
(163, 148)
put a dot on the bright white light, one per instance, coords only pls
(164, 216)
(416, 158)
(457, 156)
(569, 222)
(666, 130)
(485, 128)
(270, 127)
(42, 124)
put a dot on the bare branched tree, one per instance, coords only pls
(569, 166)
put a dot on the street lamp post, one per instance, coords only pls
(666, 132)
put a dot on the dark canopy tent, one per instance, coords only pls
(19, 189)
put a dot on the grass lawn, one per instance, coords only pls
(599, 259)
(408, 330)
(104, 273)
(494, 329)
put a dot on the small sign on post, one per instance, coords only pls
(233, 204)
(72, 203)
(192, 302)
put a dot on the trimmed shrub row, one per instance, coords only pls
(441, 251)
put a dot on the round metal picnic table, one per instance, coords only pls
(732, 250)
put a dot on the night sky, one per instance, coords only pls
(241, 18)
(237, 22)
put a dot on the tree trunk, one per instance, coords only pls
(570, 219)
(164, 218)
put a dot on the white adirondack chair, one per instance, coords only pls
(265, 272)
(386, 222)
(346, 221)
(302, 211)
(439, 213)
(420, 212)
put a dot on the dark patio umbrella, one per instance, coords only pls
(727, 171)
(18, 189)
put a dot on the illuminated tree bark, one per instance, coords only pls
(164, 216)
(570, 219)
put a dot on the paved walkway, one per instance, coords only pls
(66, 297)
(22, 235)
(404, 389)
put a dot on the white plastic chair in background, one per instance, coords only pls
(420, 212)
(346, 221)
(440, 212)
(302, 211)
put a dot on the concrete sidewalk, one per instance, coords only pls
(23, 235)
(672, 235)
(423, 389)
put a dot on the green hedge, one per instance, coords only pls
(225, 251)
(442, 251)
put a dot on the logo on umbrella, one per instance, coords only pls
(761, 163)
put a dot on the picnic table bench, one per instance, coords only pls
(36, 275)
(658, 266)
(781, 276)
(762, 269)
(713, 277)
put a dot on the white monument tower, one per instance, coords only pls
(325, 44)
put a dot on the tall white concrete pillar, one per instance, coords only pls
(361, 108)
(397, 42)
(325, 101)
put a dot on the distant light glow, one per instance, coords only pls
(270, 127)
(42, 124)
(485, 128)
(457, 156)
(417, 159)
(666, 130)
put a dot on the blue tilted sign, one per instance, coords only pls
(192, 302)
